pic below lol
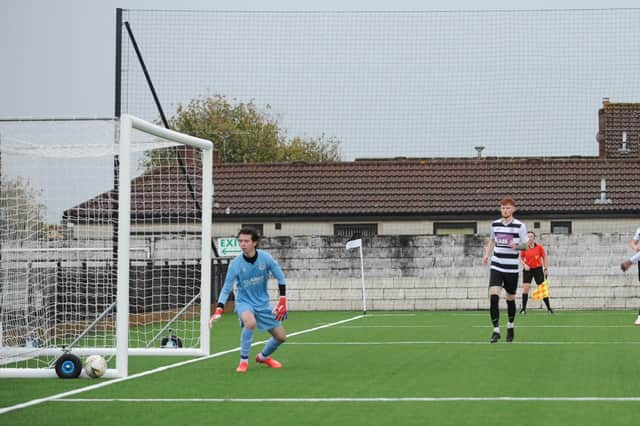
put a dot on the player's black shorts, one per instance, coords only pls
(536, 273)
(506, 280)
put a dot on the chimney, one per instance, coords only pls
(603, 193)
(602, 129)
(624, 149)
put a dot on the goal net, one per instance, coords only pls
(105, 244)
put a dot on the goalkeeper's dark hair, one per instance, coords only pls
(248, 230)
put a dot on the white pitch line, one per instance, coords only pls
(565, 326)
(392, 315)
(453, 342)
(156, 370)
(395, 326)
(375, 399)
(484, 326)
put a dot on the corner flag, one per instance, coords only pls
(358, 244)
(354, 244)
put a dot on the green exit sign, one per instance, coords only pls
(229, 247)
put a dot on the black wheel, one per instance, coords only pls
(171, 342)
(68, 366)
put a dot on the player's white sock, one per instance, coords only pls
(496, 329)
(510, 325)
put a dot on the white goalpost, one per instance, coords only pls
(105, 244)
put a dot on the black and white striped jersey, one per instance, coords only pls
(504, 258)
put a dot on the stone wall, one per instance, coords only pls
(423, 272)
(446, 272)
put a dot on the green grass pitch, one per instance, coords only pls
(384, 368)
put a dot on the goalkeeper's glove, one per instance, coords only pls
(280, 311)
(216, 316)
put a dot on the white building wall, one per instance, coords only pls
(399, 227)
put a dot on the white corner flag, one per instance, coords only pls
(354, 244)
(358, 244)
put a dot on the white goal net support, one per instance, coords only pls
(105, 244)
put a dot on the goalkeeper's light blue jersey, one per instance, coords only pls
(251, 279)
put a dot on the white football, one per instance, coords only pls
(95, 366)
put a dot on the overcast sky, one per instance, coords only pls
(58, 56)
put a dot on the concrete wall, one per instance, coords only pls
(446, 272)
(404, 272)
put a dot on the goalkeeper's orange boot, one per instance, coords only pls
(626, 265)
(268, 361)
(242, 367)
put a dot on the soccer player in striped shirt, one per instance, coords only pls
(508, 236)
(250, 273)
(635, 245)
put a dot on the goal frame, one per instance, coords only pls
(121, 351)
(127, 124)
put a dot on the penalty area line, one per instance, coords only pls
(59, 396)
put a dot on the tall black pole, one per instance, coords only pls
(165, 122)
(116, 159)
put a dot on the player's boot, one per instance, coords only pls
(626, 265)
(268, 361)
(495, 337)
(523, 311)
(637, 320)
(510, 334)
(550, 311)
(242, 367)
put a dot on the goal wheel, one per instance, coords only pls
(171, 342)
(68, 366)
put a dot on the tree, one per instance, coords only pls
(22, 217)
(244, 134)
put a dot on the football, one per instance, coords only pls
(95, 366)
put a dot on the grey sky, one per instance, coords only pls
(58, 56)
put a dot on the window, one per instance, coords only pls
(257, 226)
(561, 227)
(355, 230)
(450, 228)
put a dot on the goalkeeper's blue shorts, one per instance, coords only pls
(265, 319)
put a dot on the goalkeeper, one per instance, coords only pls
(535, 265)
(250, 273)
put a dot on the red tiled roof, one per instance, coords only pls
(413, 187)
(410, 187)
(426, 187)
